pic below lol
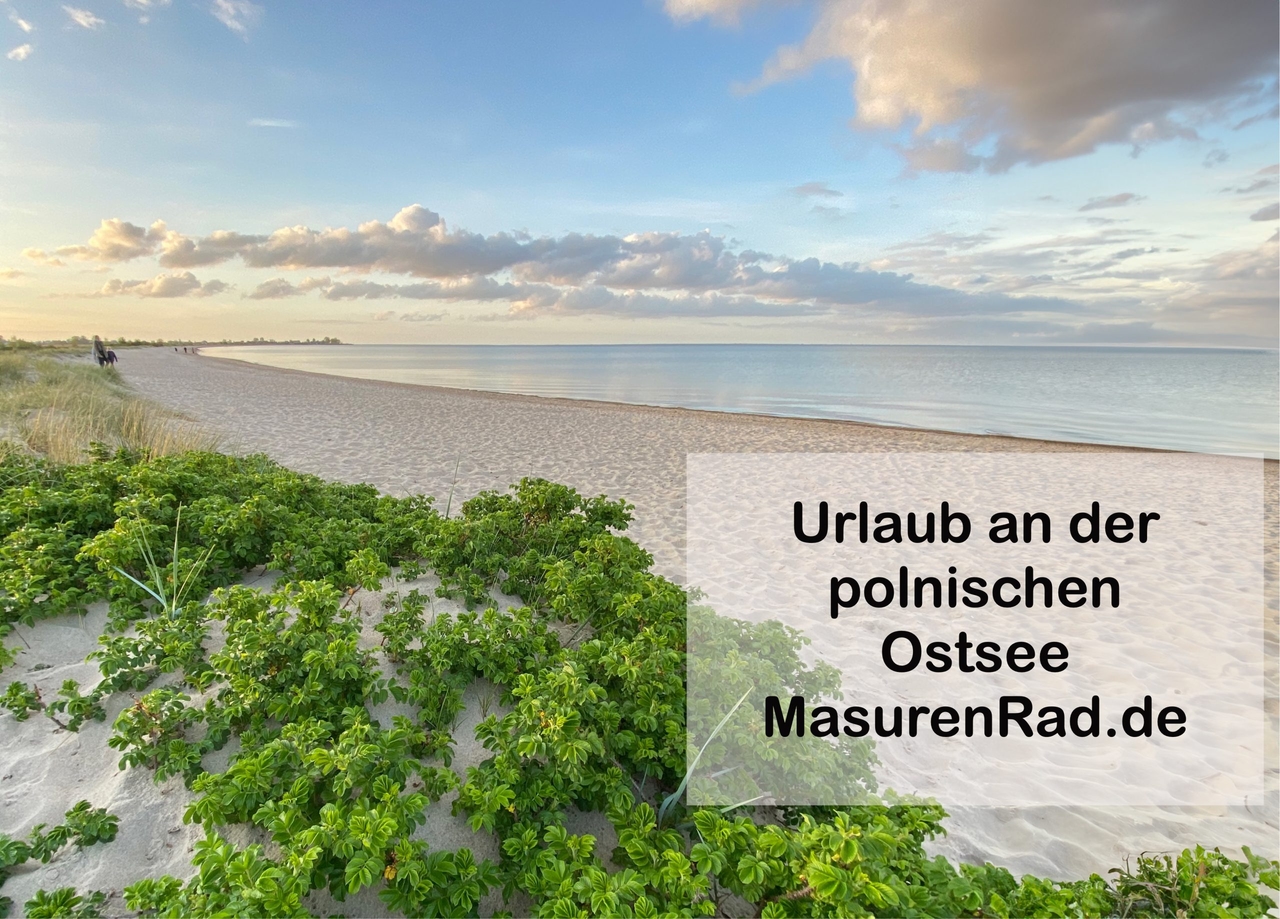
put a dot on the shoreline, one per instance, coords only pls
(1072, 445)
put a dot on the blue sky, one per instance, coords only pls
(726, 170)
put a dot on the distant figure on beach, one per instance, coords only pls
(184, 349)
(111, 357)
(99, 351)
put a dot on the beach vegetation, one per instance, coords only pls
(65, 903)
(56, 403)
(584, 648)
(85, 825)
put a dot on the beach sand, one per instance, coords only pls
(451, 444)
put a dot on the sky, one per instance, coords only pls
(992, 172)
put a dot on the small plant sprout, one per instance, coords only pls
(674, 796)
(448, 504)
(21, 700)
(486, 702)
(168, 602)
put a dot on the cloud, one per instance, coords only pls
(145, 7)
(584, 301)
(114, 241)
(280, 288)
(414, 242)
(474, 289)
(939, 155)
(163, 286)
(816, 190)
(1270, 114)
(178, 251)
(271, 123)
(274, 289)
(1235, 290)
(646, 274)
(1261, 264)
(1120, 200)
(416, 316)
(1270, 212)
(724, 12)
(20, 22)
(1263, 180)
(20, 53)
(10, 273)
(237, 15)
(83, 18)
(40, 257)
(1215, 157)
(992, 84)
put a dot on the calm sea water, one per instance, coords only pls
(1203, 400)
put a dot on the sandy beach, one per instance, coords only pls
(408, 439)
(451, 444)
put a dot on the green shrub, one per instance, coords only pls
(591, 673)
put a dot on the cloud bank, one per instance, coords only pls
(1122, 278)
(643, 274)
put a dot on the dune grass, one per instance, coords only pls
(56, 403)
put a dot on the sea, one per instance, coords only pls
(1193, 399)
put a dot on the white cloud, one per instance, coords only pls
(993, 83)
(237, 15)
(20, 22)
(271, 123)
(145, 7)
(83, 18)
(10, 273)
(163, 286)
(724, 12)
(20, 53)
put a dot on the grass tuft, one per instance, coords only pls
(56, 406)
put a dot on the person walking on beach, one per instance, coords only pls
(99, 351)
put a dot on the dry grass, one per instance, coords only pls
(58, 405)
